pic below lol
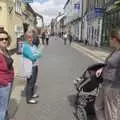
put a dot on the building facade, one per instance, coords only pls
(11, 18)
(95, 13)
(59, 24)
(102, 17)
(110, 20)
(73, 13)
(14, 15)
(84, 22)
(91, 21)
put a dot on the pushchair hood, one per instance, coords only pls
(89, 80)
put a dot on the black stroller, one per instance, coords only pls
(87, 87)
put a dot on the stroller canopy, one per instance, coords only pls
(90, 81)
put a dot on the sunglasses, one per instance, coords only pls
(1, 39)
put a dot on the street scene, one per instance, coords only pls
(59, 59)
(57, 70)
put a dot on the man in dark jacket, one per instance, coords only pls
(43, 37)
(70, 38)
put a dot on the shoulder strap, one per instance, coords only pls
(109, 56)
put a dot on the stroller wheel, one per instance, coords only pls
(80, 114)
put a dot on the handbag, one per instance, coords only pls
(26, 69)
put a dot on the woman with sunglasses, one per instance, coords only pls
(107, 105)
(6, 73)
(30, 57)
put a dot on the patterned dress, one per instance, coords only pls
(107, 105)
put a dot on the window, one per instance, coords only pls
(18, 7)
(96, 3)
(18, 30)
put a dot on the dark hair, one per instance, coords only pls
(115, 33)
(2, 31)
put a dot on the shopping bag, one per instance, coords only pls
(26, 68)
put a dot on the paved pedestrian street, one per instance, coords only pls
(58, 67)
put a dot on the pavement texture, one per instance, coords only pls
(96, 53)
(58, 67)
(18, 86)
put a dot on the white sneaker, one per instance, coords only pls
(35, 96)
(32, 101)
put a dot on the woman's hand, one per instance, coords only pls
(99, 72)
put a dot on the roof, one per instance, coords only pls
(66, 4)
(60, 17)
(37, 14)
(30, 8)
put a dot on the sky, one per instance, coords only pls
(48, 8)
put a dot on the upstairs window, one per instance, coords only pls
(18, 7)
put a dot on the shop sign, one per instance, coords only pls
(28, 1)
(95, 13)
(77, 6)
(98, 12)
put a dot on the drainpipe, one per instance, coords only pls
(81, 22)
(103, 27)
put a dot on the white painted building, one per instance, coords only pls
(84, 22)
(73, 13)
(95, 11)
(94, 27)
(58, 28)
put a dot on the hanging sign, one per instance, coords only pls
(28, 1)
(77, 6)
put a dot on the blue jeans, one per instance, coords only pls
(4, 98)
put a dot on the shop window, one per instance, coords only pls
(102, 3)
(18, 30)
(96, 3)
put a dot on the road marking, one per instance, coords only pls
(84, 51)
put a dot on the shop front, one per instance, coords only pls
(111, 20)
(94, 26)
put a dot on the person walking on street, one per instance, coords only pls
(30, 56)
(43, 38)
(70, 38)
(107, 104)
(65, 38)
(47, 37)
(6, 74)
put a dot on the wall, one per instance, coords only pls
(71, 12)
(3, 14)
(15, 22)
(15, 28)
(94, 32)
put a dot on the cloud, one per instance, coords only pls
(48, 9)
